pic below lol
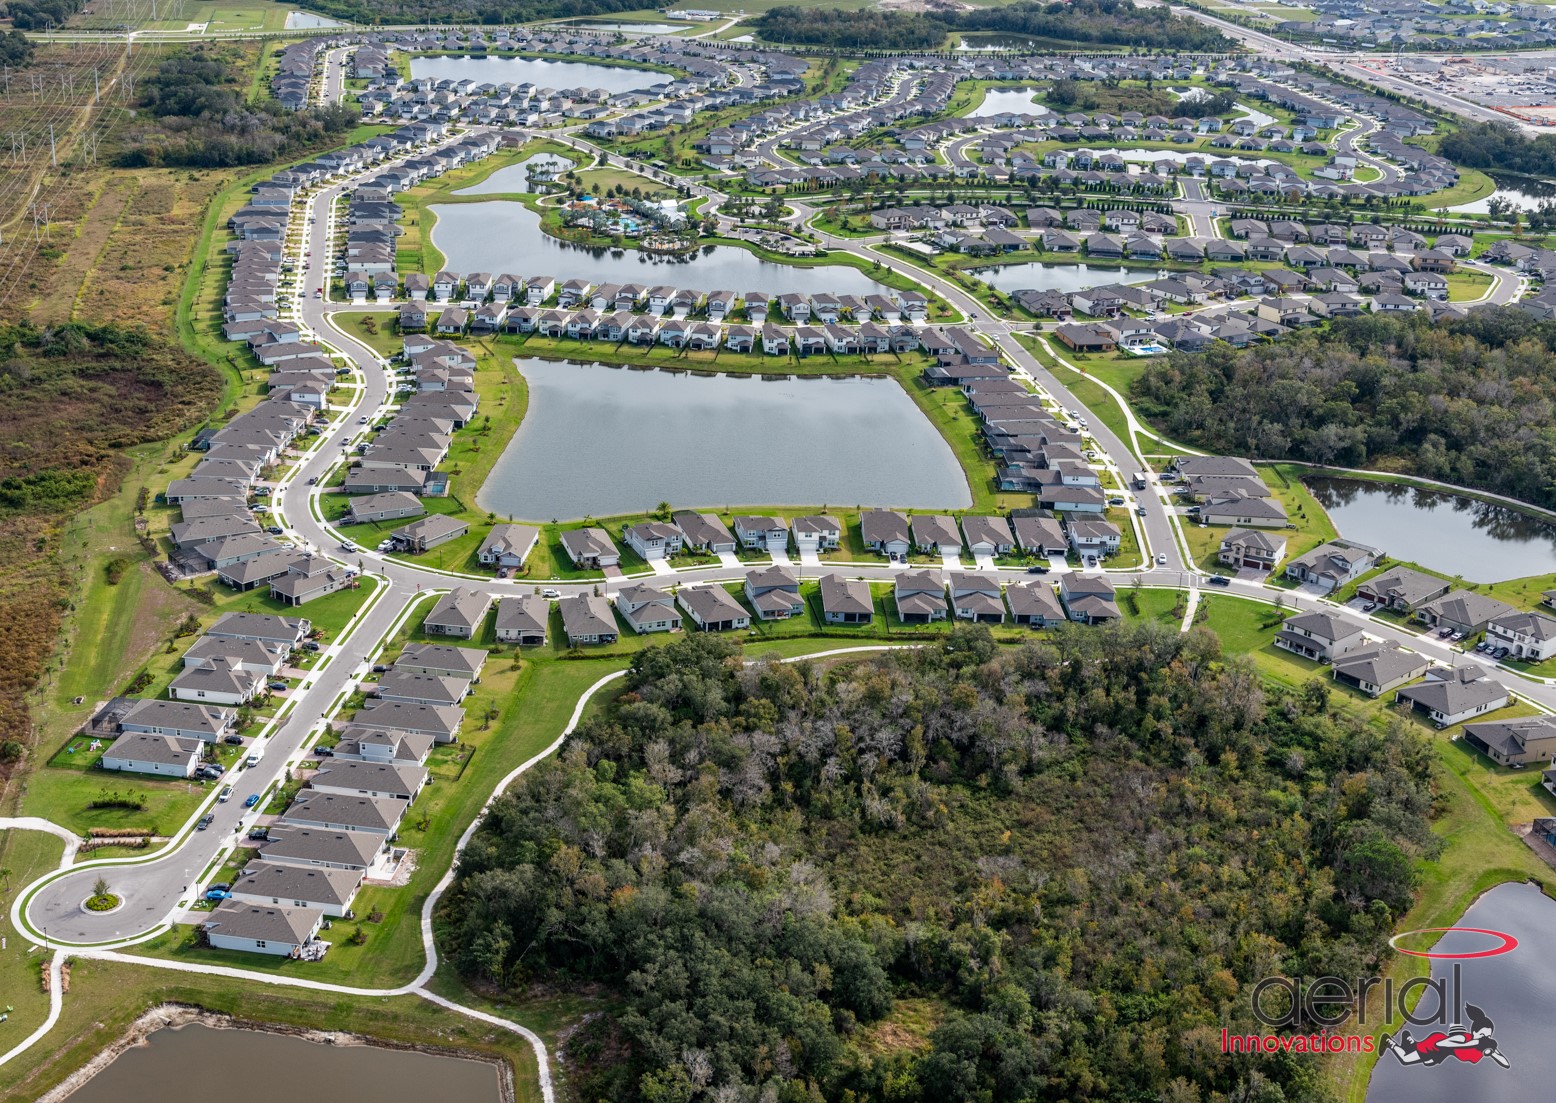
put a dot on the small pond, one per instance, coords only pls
(541, 72)
(632, 28)
(1525, 193)
(1445, 532)
(505, 236)
(194, 1064)
(1514, 991)
(996, 101)
(306, 20)
(994, 43)
(599, 440)
(514, 179)
(1034, 275)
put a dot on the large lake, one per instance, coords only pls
(1445, 532)
(1037, 275)
(1513, 989)
(1524, 192)
(505, 236)
(195, 1064)
(540, 72)
(600, 440)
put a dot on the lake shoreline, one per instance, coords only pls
(172, 1016)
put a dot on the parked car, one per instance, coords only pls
(1140, 511)
(1219, 580)
(310, 645)
(252, 759)
(235, 740)
(253, 799)
(1161, 560)
(380, 668)
(550, 593)
(275, 530)
(1503, 652)
(1483, 645)
(259, 832)
(1369, 607)
(1038, 569)
(225, 795)
(313, 481)
(276, 684)
(324, 752)
(205, 821)
(1115, 501)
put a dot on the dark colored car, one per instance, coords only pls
(235, 740)
(1220, 580)
(1039, 569)
(205, 821)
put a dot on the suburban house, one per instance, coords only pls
(1402, 589)
(1243, 510)
(1040, 535)
(1090, 599)
(988, 536)
(458, 613)
(429, 532)
(217, 681)
(1251, 548)
(919, 597)
(1452, 695)
(380, 780)
(506, 547)
(180, 719)
(1320, 636)
(442, 660)
(1376, 669)
(523, 620)
(774, 592)
(1094, 538)
(712, 608)
(935, 534)
(278, 884)
(846, 600)
(590, 548)
(335, 812)
(653, 539)
(587, 619)
(281, 932)
(976, 597)
(1464, 611)
(646, 609)
(311, 846)
(1530, 636)
(704, 532)
(885, 531)
(308, 577)
(263, 627)
(139, 753)
(439, 721)
(1330, 566)
(768, 534)
(817, 533)
(422, 689)
(1034, 604)
(1516, 742)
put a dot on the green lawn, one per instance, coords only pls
(24, 856)
(61, 794)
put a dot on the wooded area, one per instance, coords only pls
(1500, 146)
(486, 12)
(201, 120)
(1083, 22)
(1467, 402)
(957, 873)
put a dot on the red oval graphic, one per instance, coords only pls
(1507, 943)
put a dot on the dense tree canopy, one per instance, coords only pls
(487, 12)
(1469, 402)
(15, 48)
(959, 873)
(40, 15)
(201, 120)
(1089, 22)
(1500, 146)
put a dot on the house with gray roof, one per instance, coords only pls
(331, 849)
(523, 620)
(164, 755)
(936, 534)
(1453, 695)
(587, 619)
(422, 689)
(254, 928)
(774, 592)
(277, 884)
(1374, 669)
(1034, 604)
(712, 608)
(1402, 589)
(846, 600)
(1254, 549)
(704, 531)
(341, 812)
(460, 612)
(508, 546)
(919, 596)
(1089, 598)
(647, 609)
(440, 658)
(1467, 611)
(1517, 742)
(1320, 636)
(1529, 636)
(389, 506)
(426, 533)
(439, 721)
(590, 548)
(885, 531)
(181, 719)
(1330, 566)
(386, 780)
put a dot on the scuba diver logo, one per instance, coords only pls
(1458, 1043)
(1470, 1042)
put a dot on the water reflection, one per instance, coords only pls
(541, 72)
(601, 440)
(181, 1066)
(1445, 532)
(1512, 989)
(1524, 192)
(505, 236)
(1039, 275)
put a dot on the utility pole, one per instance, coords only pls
(53, 159)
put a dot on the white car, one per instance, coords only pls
(551, 593)
(1161, 560)
(387, 545)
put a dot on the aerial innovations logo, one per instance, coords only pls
(1330, 1014)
